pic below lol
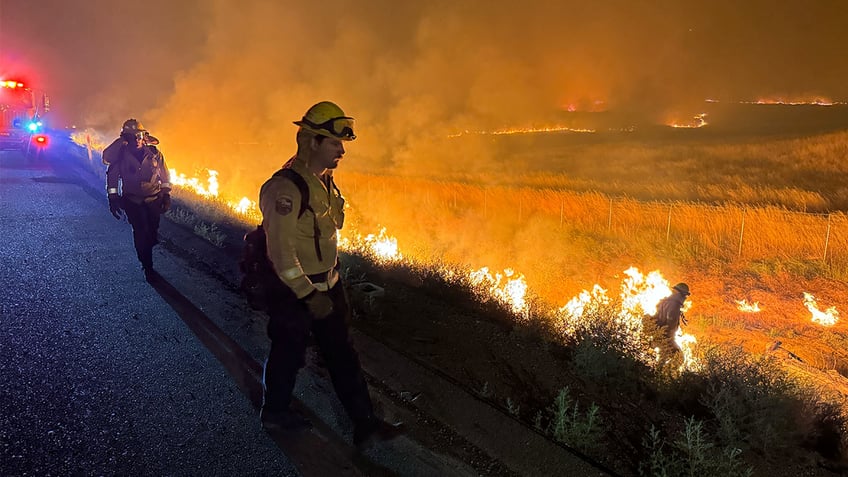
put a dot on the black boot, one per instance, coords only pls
(288, 420)
(369, 431)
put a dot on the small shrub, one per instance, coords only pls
(692, 454)
(512, 407)
(752, 400)
(571, 426)
(210, 233)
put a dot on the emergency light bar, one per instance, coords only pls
(11, 84)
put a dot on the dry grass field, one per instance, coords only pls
(761, 220)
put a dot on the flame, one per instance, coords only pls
(243, 206)
(743, 305)
(383, 247)
(798, 101)
(810, 101)
(698, 121)
(87, 138)
(525, 131)
(828, 317)
(639, 296)
(509, 288)
(686, 343)
(573, 313)
(210, 190)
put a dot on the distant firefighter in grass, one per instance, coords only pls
(668, 319)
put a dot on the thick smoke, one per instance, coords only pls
(220, 82)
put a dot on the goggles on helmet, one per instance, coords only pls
(141, 135)
(341, 127)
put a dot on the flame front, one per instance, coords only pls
(639, 294)
(529, 130)
(509, 288)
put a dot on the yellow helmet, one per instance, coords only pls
(328, 119)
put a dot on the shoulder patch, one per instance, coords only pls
(284, 205)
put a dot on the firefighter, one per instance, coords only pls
(309, 296)
(145, 191)
(668, 318)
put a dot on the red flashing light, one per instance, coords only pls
(40, 139)
(11, 84)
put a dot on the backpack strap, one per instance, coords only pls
(303, 187)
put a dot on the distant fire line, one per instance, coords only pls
(785, 102)
(498, 132)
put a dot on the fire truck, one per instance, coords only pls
(21, 115)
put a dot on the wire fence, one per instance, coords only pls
(728, 232)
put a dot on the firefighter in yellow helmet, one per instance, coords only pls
(138, 184)
(302, 209)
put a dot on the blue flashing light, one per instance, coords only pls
(33, 126)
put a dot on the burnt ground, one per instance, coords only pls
(475, 355)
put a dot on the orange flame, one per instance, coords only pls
(743, 305)
(524, 131)
(698, 121)
(828, 317)
(509, 288)
(639, 296)
(193, 183)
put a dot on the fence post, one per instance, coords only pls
(561, 211)
(668, 225)
(741, 232)
(826, 239)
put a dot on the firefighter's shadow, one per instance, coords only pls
(245, 370)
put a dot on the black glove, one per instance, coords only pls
(319, 304)
(165, 201)
(115, 205)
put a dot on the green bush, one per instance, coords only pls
(572, 426)
(693, 453)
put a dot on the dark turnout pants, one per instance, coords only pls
(144, 219)
(288, 327)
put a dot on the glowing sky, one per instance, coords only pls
(205, 71)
